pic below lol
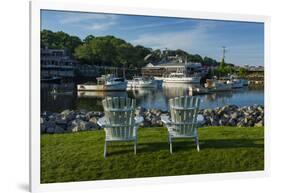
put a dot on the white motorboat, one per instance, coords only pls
(141, 82)
(236, 83)
(181, 78)
(216, 85)
(104, 83)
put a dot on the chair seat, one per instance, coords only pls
(102, 121)
(166, 119)
(177, 135)
(107, 138)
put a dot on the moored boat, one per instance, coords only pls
(104, 83)
(216, 85)
(181, 78)
(141, 82)
(235, 83)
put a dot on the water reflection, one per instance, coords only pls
(57, 97)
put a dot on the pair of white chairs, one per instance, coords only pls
(121, 124)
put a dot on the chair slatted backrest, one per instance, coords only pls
(184, 112)
(119, 115)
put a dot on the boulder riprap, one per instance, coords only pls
(82, 120)
(232, 115)
(152, 117)
(69, 121)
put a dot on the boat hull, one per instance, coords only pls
(111, 87)
(236, 84)
(192, 80)
(152, 84)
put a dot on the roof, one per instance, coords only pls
(173, 64)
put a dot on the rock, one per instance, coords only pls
(93, 120)
(51, 117)
(46, 114)
(82, 117)
(65, 112)
(232, 122)
(58, 129)
(48, 124)
(50, 130)
(234, 115)
(61, 121)
(91, 126)
(70, 116)
(259, 124)
(240, 124)
(90, 114)
(80, 125)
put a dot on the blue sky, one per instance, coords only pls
(244, 40)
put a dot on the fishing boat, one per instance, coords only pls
(214, 85)
(179, 77)
(141, 82)
(104, 83)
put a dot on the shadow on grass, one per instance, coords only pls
(186, 145)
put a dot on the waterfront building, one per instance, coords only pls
(57, 62)
(167, 68)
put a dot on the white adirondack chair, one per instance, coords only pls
(184, 120)
(119, 122)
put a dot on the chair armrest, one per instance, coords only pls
(102, 122)
(138, 120)
(166, 119)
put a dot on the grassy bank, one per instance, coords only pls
(79, 156)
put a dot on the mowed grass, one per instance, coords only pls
(79, 156)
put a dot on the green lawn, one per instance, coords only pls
(79, 156)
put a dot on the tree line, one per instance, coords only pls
(116, 52)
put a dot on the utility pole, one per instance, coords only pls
(223, 52)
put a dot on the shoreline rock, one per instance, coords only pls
(232, 115)
(81, 120)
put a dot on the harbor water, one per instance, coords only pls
(58, 97)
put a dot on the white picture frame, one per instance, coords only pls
(89, 6)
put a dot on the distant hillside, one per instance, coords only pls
(112, 51)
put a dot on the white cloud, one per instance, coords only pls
(152, 25)
(101, 26)
(195, 37)
(88, 21)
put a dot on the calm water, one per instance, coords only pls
(68, 98)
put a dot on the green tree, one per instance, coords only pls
(242, 71)
(59, 40)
